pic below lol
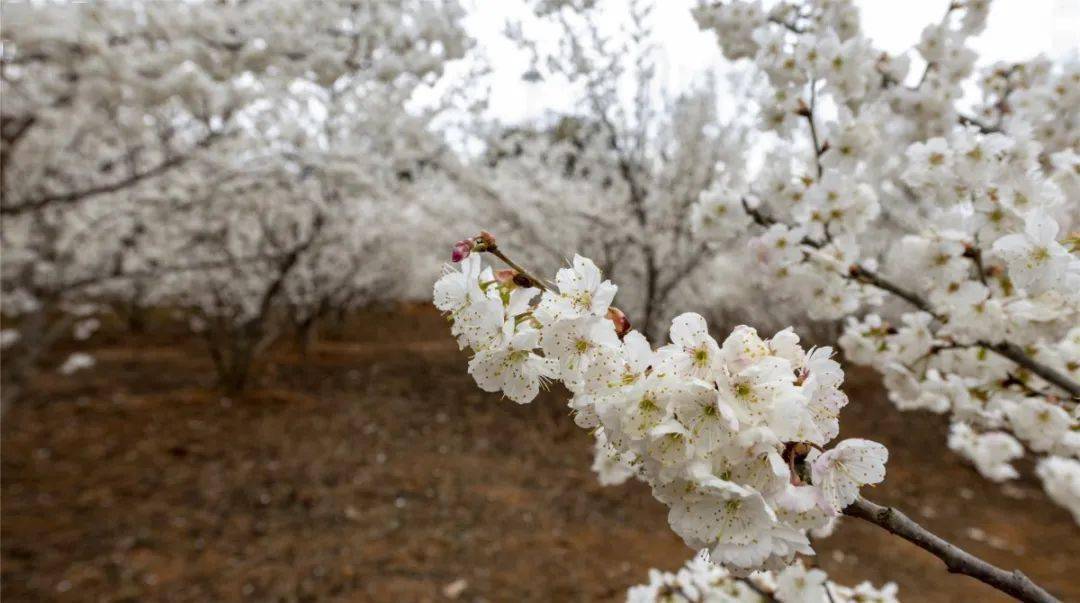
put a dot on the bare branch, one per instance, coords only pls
(957, 560)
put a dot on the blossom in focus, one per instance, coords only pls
(705, 424)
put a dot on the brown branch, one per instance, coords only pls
(957, 560)
(788, 25)
(983, 127)
(1019, 356)
(975, 255)
(761, 592)
(1005, 349)
(808, 113)
(511, 263)
(869, 277)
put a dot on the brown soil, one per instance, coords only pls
(374, 470)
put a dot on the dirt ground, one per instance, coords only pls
(374, 470)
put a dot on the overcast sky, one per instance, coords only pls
(1017, 29)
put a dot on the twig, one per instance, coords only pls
(790, 26)
(1016, 354)
(808, 113)
(982, 126)
(957, 560)
(976, 257)
(761, 592)
(495, 251)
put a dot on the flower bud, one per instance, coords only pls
(506, 276)
(485, 242)
(619, 319)
(461, 250)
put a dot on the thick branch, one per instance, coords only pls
(956, 559)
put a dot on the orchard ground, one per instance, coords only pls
(372, 468)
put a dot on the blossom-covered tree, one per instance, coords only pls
(936, 226)
(228, 160)
(622, 170)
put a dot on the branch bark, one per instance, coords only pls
(957, 560)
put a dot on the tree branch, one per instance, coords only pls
(788, 25)
(104, 189)
(761, 592)
(534, 280)
(1005, 349)
(1016, 354)
(956, 559)
(983, 127)
(808, 113)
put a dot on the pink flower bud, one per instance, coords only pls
(619, 319)
(486, 240)
(461, 250)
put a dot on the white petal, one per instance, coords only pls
(519, 384)
(486, 368)
(864, 460)
(590, 274)
(450, 292)
(1041, 227)
(688, 329)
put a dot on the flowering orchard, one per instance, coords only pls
(253, 170)
(229, 163)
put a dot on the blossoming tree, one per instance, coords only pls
(214, 159)
(951, 261)
(622, 170)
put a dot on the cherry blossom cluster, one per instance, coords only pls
(941, 236)
(729, 435)
(700, 581)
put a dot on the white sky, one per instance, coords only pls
(1017, 29)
